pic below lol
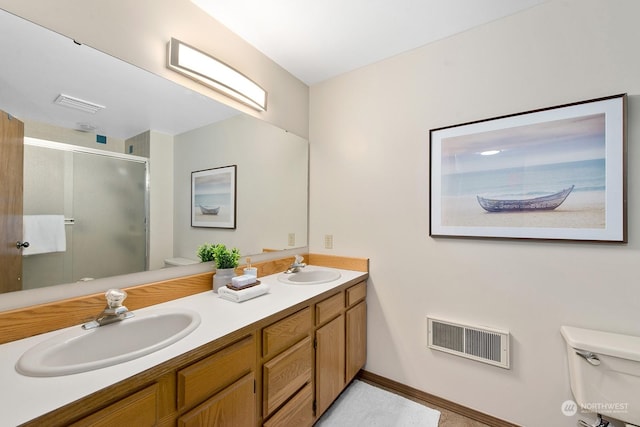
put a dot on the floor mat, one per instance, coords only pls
(364, 405)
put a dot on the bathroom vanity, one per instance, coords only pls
(279, 359)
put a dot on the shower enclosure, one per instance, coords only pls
(103, 197)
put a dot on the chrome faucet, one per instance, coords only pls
(296, 265)
(113, 312)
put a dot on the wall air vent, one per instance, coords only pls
(78, 104)
(477, 343)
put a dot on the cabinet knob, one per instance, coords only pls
(21, 245)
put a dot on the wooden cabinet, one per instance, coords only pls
(210, 375)
(283, 371)
(356, 330)
(330, 357)
(287, 372)
(329, 308)
(234, 406)
(139, 409)
(356, 340)
(297, 412)
(285, 332)
(222, 386)
(340, 343)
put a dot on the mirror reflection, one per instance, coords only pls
(80, 207)
(149, 121)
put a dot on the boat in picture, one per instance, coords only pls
(209, 210)
(548, 202)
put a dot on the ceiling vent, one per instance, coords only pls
(78, 104)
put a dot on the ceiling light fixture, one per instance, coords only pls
(78, 104)
(217, 75)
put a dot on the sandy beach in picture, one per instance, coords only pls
(581, 209)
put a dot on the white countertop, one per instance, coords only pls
(25, 398)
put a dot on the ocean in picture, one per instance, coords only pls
(528, 182)
(583, 208)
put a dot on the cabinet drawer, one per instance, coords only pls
(295, 413)
(285, 374)
(285, 332)
(329, 308)
(232, 407)
(139, 409)
(204, 378)
(356, 293)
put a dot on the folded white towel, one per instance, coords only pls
(244, 294)
(45, 233)
(245, 279)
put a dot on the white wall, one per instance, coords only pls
(160, 199)
(271, 189)
(369, 186)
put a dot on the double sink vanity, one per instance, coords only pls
(278, 359)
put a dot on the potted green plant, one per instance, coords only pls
(205, 252)
(225, 258)
(226, 262)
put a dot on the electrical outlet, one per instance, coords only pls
(328, 241)
(292, 239)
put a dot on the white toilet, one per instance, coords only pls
(605, 372)
(176, 262)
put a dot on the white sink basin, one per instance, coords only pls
(310, 276)
(79, 350)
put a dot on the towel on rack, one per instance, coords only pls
(45, 233)
(244, 294)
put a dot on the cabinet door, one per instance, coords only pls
(235, 406)
(330, 359)
(356, 339)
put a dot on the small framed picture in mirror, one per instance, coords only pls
(213, 197)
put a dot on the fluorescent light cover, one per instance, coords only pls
(205, 69)
(78, 104)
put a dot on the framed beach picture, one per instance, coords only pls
(557, 173)
(213, 197)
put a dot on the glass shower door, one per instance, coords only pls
(103, 198)
(109, 212)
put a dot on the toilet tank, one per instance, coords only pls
(609, 384)
(176, 262)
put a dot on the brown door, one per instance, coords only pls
(11, 150)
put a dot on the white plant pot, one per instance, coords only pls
(222, 277)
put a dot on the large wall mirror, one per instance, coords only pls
(147, 119)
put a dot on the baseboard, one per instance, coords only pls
(430, 399)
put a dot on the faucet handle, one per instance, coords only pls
(115, 297)
(299, 259)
